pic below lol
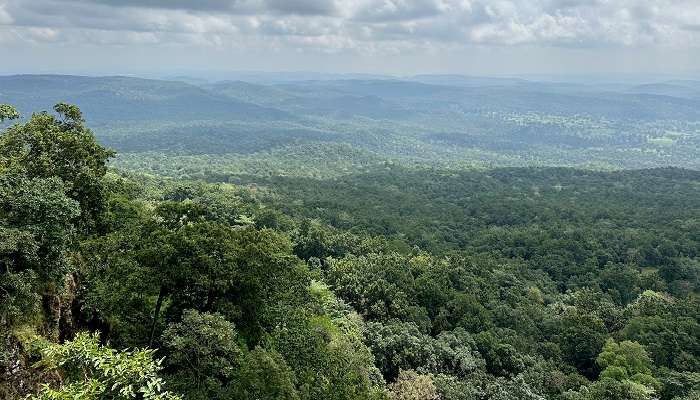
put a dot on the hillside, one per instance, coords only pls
(424, 120)
(453, 283)
(125, 99)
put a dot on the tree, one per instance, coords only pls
(46, 146)
(410, 385)
(327, 356)
(89, 371)
(203, 354)
(36, 219)
(502, 359)
(378, 286)
(264, 375)
(694, 395)
(8, 112)
(510, 389)
(626, 374)
(626, 360)
(678, 384)
(452, 388)
(401, 346)
(581, 337)
(611, 389)
(35, 236)
(668, 329)
(468, 313)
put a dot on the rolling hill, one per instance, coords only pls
(429, 120)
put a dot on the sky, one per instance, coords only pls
(398, 37)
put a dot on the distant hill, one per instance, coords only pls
(133, 99)
(462, 80)
(434, 119)
(695, 85)
(128, 99)
(252, 92)
(682, 89)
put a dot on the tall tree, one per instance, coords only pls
(63, 147)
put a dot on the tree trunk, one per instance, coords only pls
(51, 304)
(156, 313)
(211, 298)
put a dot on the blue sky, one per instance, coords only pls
(483, 37)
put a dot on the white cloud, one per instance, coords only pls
(362, 25)
(42, 34)
(5, 18)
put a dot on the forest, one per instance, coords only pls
(392, 283)
(279, 127)
(357, 277)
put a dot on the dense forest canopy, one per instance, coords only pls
(332, 269)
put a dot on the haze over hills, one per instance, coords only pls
(424, 119)
(126, 98)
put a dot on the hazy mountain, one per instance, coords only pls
(127, 99)
(668, 89)
(462, 80)
(292, 76)
(429, 118)
(252, 92)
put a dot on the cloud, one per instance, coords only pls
(200, 5)
(294, 7)
(399, 10)
(5, 18)
(362, 25)
(303, 7)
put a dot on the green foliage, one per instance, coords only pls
(452, 388)
(35, 223)
(668, 329)
(375, 285)
(50, 187)
(8, 112)
(48, 147)
(411, 386)
(694, 395)
(400, 346)
(203, 354)
(581, 339)
(18, 296)
(502, 359)
(626, 360)
(264, 375)
(678, 384)
(512, 389)
(91, 371)
(611, 389)
(199, 265)
(328, 357)
(375, 282)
